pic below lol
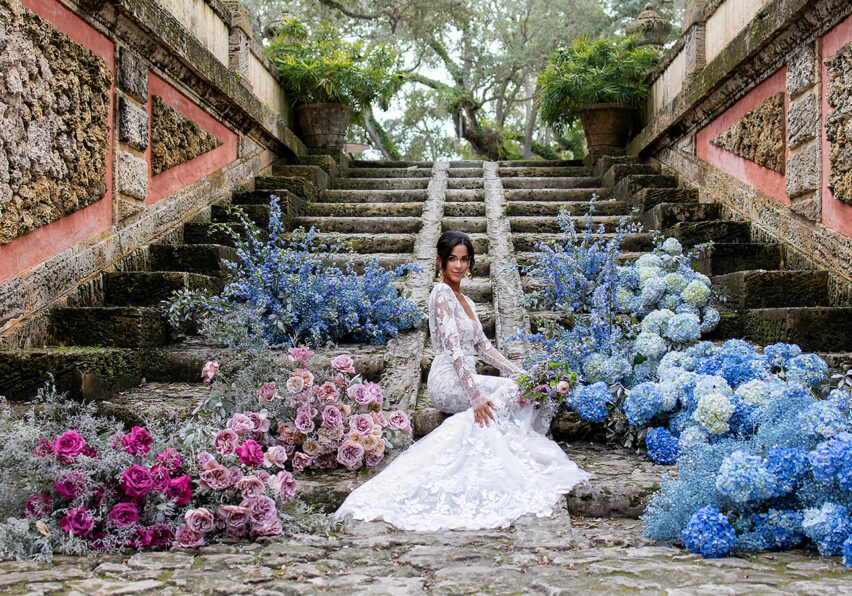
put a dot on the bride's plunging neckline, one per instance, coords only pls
(473, 319)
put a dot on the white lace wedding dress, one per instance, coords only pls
(461, 475)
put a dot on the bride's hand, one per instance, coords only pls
(484, 414)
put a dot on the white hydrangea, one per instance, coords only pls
(623, 297)
(707, 384)
(713, 412)
(692, 437)
(655, 321)
(755, 392)
(670, 392)
(645, 273)
(592, 365)
(710, 318)
(672, 247)
(652, 290)
(649, 260)
(675, 283)
(696, 293)
(650, 345)
(670, 301)
(670, 365)
(702, 278)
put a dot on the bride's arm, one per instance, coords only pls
(492, 356)
(448, 339)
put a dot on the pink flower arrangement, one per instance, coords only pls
(124, 515)
(300, 353)
(138, 442)
(69, 445)
(78, 521)
(208, 371)
(266, 393)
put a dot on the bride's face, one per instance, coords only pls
(457, 263)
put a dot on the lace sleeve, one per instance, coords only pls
(448, 339)
(490, 354)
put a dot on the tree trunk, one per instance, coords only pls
(388, 153)
(530, 129)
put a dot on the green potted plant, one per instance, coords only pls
(600, 82)
(326, 77)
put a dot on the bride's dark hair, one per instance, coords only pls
(448, 241)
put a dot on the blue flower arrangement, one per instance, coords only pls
(709, 533)
(662, 446)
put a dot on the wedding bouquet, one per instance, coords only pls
(546, 382)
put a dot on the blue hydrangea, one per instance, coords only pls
(744, 477)
(662, 446)
(779, 355)
(745, 418)
(824, 418)
(683, 328)
(710, 319)
(592, 402)
(847, 552)
(807, 369)
(696, 293)
(832, 460)
(672, 247)
(670, 301)
(789, 465)
(642, 404)
(669, 361)
(841, 399)
(692, 437)
(628, 277)
(694, 353)
(650, 345)
(655, 321)
(686, 388)
(624, 299)
(591, 366)
(828, 527)
(709, 533)
(688, 309)
(707, 384)
(649, 260)
(755, 392)
(670, 392)
(653, 289)
(779, 529)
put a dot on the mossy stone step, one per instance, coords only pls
(314, 174)
(364, 209)
(665, 215)
(382, 183)
(205, 233)
(618, 171)
(380, 243)
(410, 172)
(464, 172)
(465, 183)
(111, 326)
(524, 242)
(259, 214)
(372, 196)
(550, 225)
(468, 225)
(300, 187)
(524, 259)
(543, 163)
(366, 163)
(542, 171)
(551, 182)
(149, 288)
(465, 195)
(477, 288)
(364, 225)
(552, 209)
(562, 195)
(464, 209)
(772, 289)
(630, 185)
(717, 230)
(647, 198)
(262, 197)
(814, 329)
(386, 260)
(206, 259)
(728, 257)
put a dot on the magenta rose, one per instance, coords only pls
(240, 423)
(160, 478)
(266, 393)
(141, 537)
(399, 421)
(136, 481)
(300, 353)
(331, 417)
(360, 395)
(77, 522)
(251, 487)
(300, 461)
(250, 453)
(180, 490)
(275, 456)
(349, 454)
(283, 486)
(69, 445)
(272, 528)
(161, 535)
(362, 424)
(226, 442)
(304, 422)
(218, 478)
(124, 515)
(186, 538)
(171, 460)
(343, 363)
(199, 520)
(39, 505)
(138, 442)
(71, 485)
(208, 371)
(89, 451)
(44, 448)
(372, 458)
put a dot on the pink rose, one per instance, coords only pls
(295, 384)
(199, 520)
(206, 461)
(311, 447)
(141, 537)
(250, 453)
(262, 510)
(69, 445)
(345, 409)
(123, 515)
(272, 528)
(360, 395)
(327, 393)
(300, 461)
(240, 423)
(226, 442)
(71, 485)
(171, 460)
(208, 371)
(306, 376)
(375, 390)
(136, 481)
(77, 522)
(138, 442)
(304, 421)
(563, 387)
(160, 478)
(380, 419)
(236, 474)
(287, 433)
(275, 456)
(266, 393)
(218, 478)
(349, 454)
(362, 424)
(39, 505)
(259, 420)
(344, 364)
(250, 487)
(44, 448)
(300, 353)
(331, 417)
(372, 458)
(235, 517)
(180, 490)
(399, 421)
(339, 380)
(262, 474)
(161, 535)
(283, 486)
(186, 538)
(326, 461)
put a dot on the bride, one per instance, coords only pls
(488, 464)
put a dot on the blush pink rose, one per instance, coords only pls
(136, 481)
(138, 442)
(235, 517)
(327, 393)
(295, 384)
(399, 421)
(259, 420)
(326, 461)
(283, 486)
(208, 371)
(306, 376)
(240, 424)
(275, 456)
(78, 521)
(331, 417)
(236, 474)
(344, 364)
(69, 445)
(300, 353)
(350, 454)
(362, 424)
(262, 474)
(372, 458)
(262, 510)
(304, 421)
(226, 442)
(218, 478)
(311, 447)
(375, 390)
(300, 461)
(272, 528)
(206, 461)
(186, 538)
(360, 395)
(287, 433)
(250, 453)
(339, 380)
(180, 490)
(380, 419)
(124, 515)
(251, 487)
(199, 520)
(266, 393)
(563, 387)
(171, 460)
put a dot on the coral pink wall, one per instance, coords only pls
(837, 215)
(31, 249)
(181, 175)
(763, 179)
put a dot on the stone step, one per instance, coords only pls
(364, 209)
(149, 288)
(475, 172)
(382, 183)
(621, 170)
(364, 225)
(259, 214)
(539, 224)
(465, 183)
(312, 173)
(257, 197)
(542, 172)
(552, 209)
(632, 242)
(479, 289)
(665, 215)
(543, 163)
(385, 172)
(298, 186)
(464, 209)
(646, 198)
(771, 289)
(728, 257)
(380, 243)
(387, 260)
(466, 163)
(630, 185)
(366, 163)
(524, 259)
(468, 225)
(463, 195)
(717, 230)
(563, 195)
(552, 182)
(818, 328)
(205, 259)
(111, 326)
(373, 196)
(204, 233)
(329, 164)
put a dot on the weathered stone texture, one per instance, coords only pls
(803, 120)
(54, 127)
(132, 124)
(132, 178)
(803, 170)
(132, 76)
(759, 135)
(801, 70)
(808, 207)
(175, 139)
(838, 123)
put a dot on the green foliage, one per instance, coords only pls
(588, 72)
(322, 67)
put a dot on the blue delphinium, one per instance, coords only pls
(662, 446)
(744, 477)
(828, 527)
(847, 552)
(592, 402)
(642, 403)
(789, 465)
(807, 369)
(709, 533)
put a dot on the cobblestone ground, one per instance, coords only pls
(557, 555)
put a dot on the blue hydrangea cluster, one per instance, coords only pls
(592, 402)
(824, 418)
(709, 533)
(832, 460)
(828, 527)
(807, 369)
(779, 529)
(662, 446)
(642, 404)
(744, 477)
(788, 465)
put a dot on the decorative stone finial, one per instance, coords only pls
(650, 27)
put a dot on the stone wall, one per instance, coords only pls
(175, 139)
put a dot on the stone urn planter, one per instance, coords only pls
(323, 124)
(606, 124)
